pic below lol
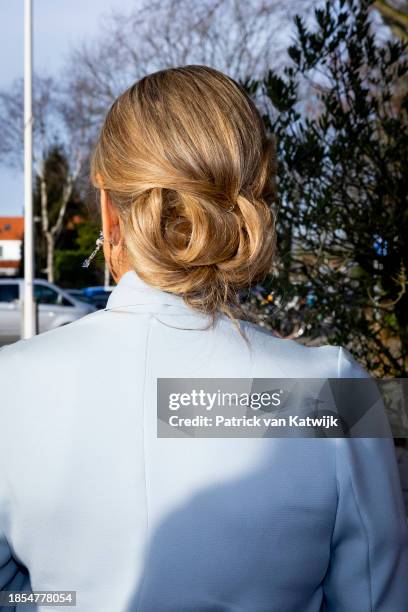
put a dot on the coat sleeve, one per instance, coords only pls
(368, 567)
(13, 576)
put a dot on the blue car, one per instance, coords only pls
(97, 296)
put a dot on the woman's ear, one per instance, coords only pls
(115, 256)
(110, 219)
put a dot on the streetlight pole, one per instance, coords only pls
(106, 276)
(29, 319)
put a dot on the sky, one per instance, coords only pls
(57, 26)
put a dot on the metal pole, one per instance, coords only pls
(106, 276)
(29, 322)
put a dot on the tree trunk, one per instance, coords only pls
(50, 256)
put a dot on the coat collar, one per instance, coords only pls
(131, 290)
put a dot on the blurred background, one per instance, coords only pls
(331, 80)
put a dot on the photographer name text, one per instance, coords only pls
(325, 422)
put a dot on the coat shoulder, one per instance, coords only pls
(290, 356)
(53, 344)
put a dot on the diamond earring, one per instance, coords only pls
(99, 243)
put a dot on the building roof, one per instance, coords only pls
(11, 228)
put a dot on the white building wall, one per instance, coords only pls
(10, 249)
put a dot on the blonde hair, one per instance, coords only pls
(185, 158)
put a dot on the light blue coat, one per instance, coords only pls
(92, 501)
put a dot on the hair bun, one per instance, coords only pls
(188, 165)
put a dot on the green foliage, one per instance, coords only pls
(87, 233)
(69, 271)
(342, 222)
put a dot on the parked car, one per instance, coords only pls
(79, 295)
(56, 307)
(97, 296)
